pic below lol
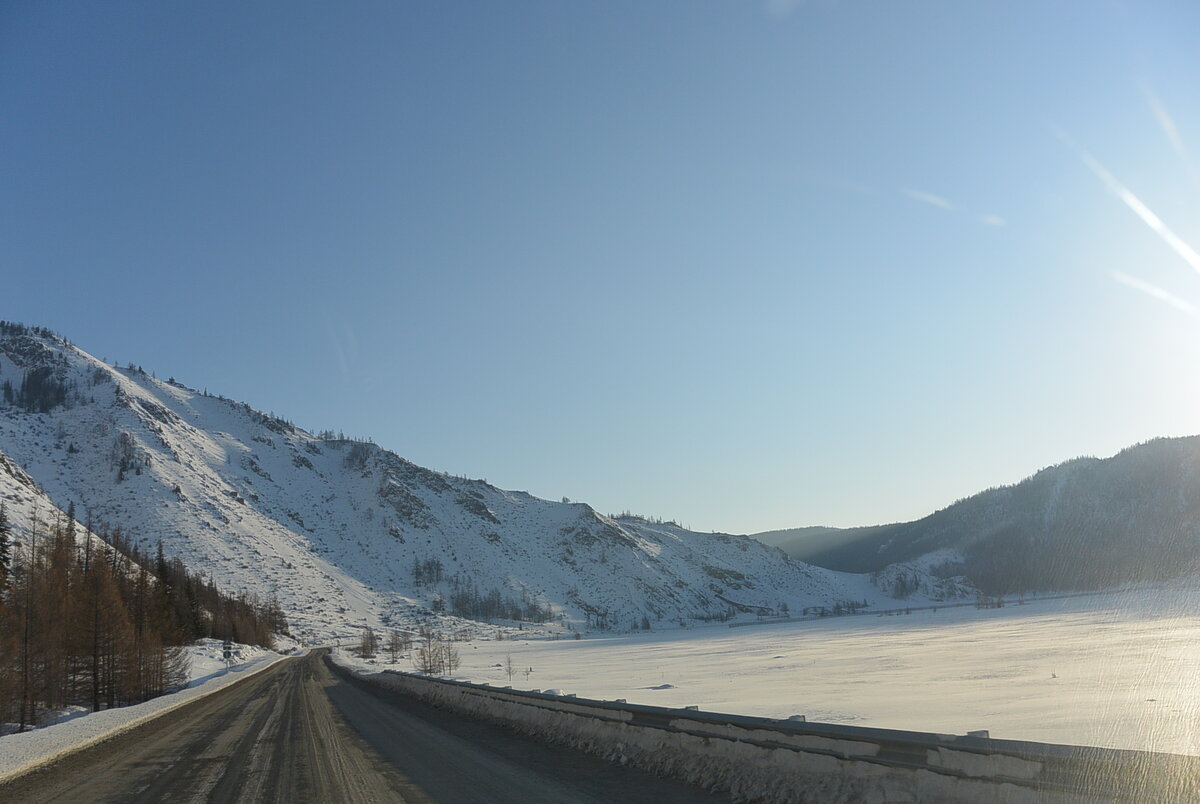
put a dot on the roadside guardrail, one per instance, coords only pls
(762, 759)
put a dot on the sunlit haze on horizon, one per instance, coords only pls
(747, 265)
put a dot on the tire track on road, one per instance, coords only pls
(298, 734)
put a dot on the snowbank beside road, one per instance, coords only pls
(762, 760)
(20, 753)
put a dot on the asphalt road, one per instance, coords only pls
(298, 733)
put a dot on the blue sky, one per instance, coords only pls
(748, 265)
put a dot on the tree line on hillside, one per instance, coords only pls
(40, 391)
(90, 619)
(467, 601)
(43, 385)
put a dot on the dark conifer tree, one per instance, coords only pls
(5, 549)
(99, 623)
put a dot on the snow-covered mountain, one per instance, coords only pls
(346, 533)
(1087, 523)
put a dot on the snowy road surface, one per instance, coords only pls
(298, 733)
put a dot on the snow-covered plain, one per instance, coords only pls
(77, 728)
(1120, 670)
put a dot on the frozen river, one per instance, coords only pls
(1119, 670)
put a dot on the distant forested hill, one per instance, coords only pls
(1083, 524)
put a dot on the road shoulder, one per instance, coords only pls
(27, 751)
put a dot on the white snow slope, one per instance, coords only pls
(333, 528)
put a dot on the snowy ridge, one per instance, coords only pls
(345, 533)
